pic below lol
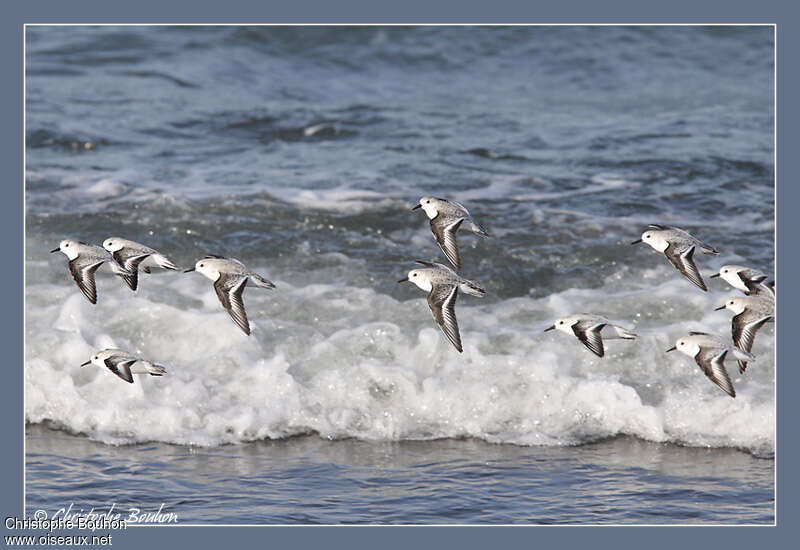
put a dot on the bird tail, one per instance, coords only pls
(163, 261)
(473, 288)
(742, 355)
(478, 230)
(708, 249)
(625, 333)
(154, 369)
(260, 281)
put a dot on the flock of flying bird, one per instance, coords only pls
(442, 284)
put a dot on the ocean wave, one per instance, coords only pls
(344, 361)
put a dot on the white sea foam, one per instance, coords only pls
(345, 361)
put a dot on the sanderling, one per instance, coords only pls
(442, 285)
(124, 364)
(748, 280)
(678, 246)
(84, 259)
(446, 218)
(751, 312)
(230, 276)
(131, 255)
(710, 353)
(591, 329)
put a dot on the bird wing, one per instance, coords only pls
(121, 366)
(445, 234)
(684, 263)
(442, 301)
(130, 260)
(229, 289)
(712, 363)
(589, 334)
(744, 333)
(83, 273)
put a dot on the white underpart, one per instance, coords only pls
(70, 251)
(654, 239)
(730, 273)
(736, 305)
(420, 279)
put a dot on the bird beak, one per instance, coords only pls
(56, 250)
(673, 348)
(714, 275)
(417, 206)
(188, 270)
(403, 280)
(550, 328)
(637, 241)
(86, 363)
(719, 308)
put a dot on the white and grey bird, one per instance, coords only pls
(591, 330)
(132, 255)
(679, 247)
(84, 259)
(442, 285)
(710, 352)
(125, 364)
(751, 312)
(446, 218)
(748, 280)
(230, 276)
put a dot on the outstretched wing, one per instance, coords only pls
(589, 334)
(442, 301)
(712, 363)
(744, 334)
(684, 263)
(229, 291)
(121, 366)
(83, 273)
(445, 233)
(130, 260)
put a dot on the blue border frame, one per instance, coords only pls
(357, 11)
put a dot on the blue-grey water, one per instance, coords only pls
(300, 151)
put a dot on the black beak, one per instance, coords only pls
(637, 241)
(188, 270)
(550, 328)
(403, 280)
(56, 250)
(673, 348)
(719, 308)
(714, 275)
(417, 206)
(86, 363)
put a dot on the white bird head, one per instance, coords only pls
(430, 205)
(68, 247)
(420, 278)
(730, 274)
(207, 267)
(113, 244)
(736, 305)
(686, 345)
(564, 324)
(655, 239)
(98, 359)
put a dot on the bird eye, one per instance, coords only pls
(724, 270)
(414, 275)
(647, 236)
(427, 202)
(680, 344)
(201, 265)
(561, 322)
(66, 245)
